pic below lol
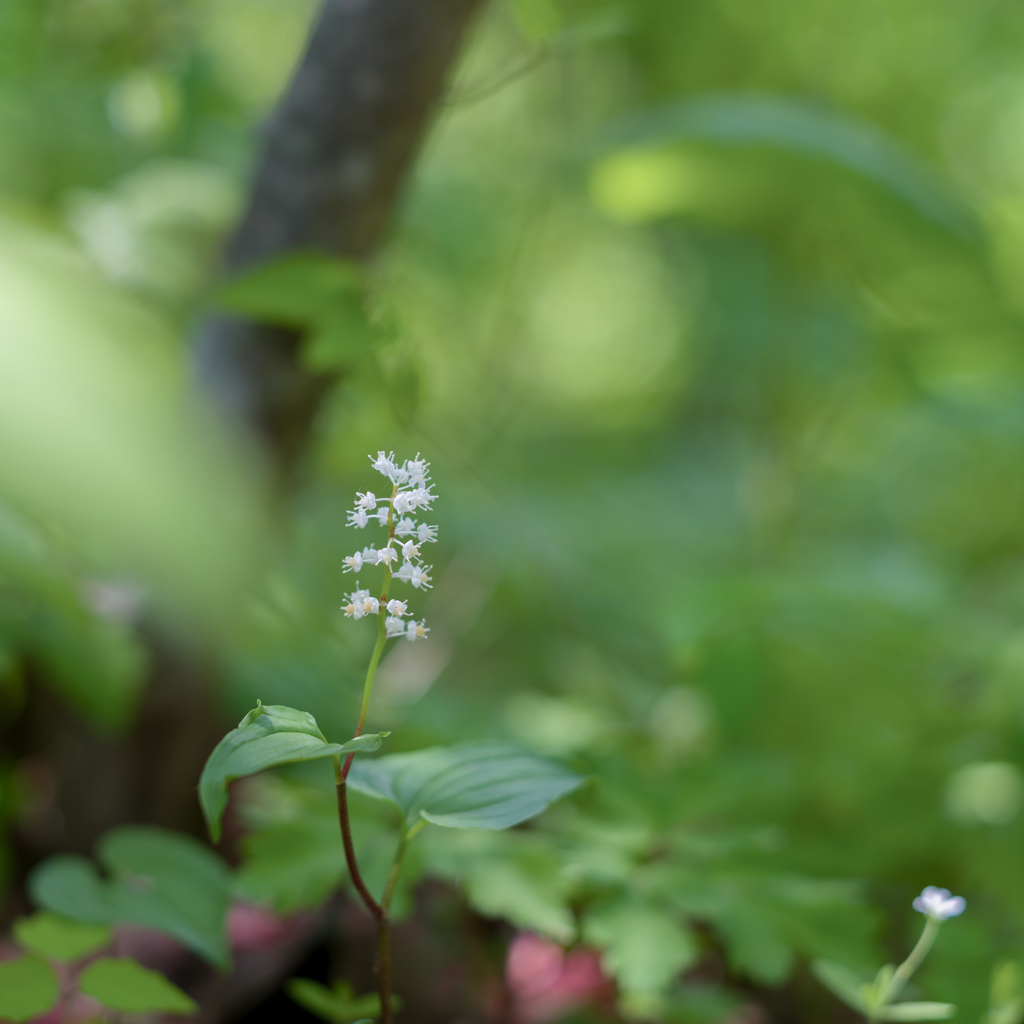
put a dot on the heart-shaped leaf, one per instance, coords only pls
(840, 981)
(60, 938)
(122, 984)
(69, 885)
(28, 987)
(267, 737)
(161, 879)
(916, 1011)
(479, 785)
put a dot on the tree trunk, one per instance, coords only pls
(336, 153)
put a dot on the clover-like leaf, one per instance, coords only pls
(339, 1004)
(479, 785)
(916, 1011)
(268, 736)
(123, 984)
(60, 938)
(160, 879)
(840, 981)
(644, 948)
(28, 987)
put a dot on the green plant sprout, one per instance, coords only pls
(60, 962)
(480, 785)
(876, 999)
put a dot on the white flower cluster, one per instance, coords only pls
(939, 904)
(409, 494)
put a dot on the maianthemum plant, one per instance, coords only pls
(148, 876)
(484, 785)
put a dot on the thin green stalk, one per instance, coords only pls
(378, 910)
(906, 969)
(384, 921)
(378, 650)
(403, 843)
(382, 639)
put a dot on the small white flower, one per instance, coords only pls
(414, 574)
(405, 528)
(939, 904)
(418, 470)
(404, 502)
(383, 463)
(412, 491)
(360, 603)
(387, 556)
(416, 631)
(422, 497)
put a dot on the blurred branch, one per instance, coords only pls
(335, 156)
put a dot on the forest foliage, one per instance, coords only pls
(709, 318)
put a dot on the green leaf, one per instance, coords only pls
(160, 879)
(840, 981)
(483, 785)
(517, 876)
(874, 994)
(60, 937)
(296, 290)
(644, 947)
(171, 882)
(69, 885)
(311, 291)
(756, 945)
(797, 126)
(508, 890)
(122, 984)
(917, 1011)
(337, 1004)
(266, 738)
(339, 341)
(294, 864)
(28, 987)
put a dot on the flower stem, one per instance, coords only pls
(378, 910)
(378, 647)
(384, 922)
(906, 969)
(346, 839)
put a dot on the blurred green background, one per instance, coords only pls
(709, 317)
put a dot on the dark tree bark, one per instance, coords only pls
(336, 153)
